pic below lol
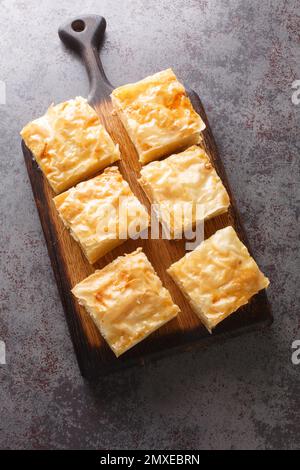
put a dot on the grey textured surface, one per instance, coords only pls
(241, 57)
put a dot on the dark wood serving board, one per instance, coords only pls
(70, 266)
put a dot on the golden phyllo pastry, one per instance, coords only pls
(69, 143)
(158, 115)
(126, 300)
(218, 277)
(102, 213)
(185, 189)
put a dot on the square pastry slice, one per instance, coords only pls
(69, 143)
(185, 189)
(158, 115)
(218, 277)
(102, 213)
(126, 300)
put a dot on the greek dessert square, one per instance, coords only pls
(102, 213)
(218, 277)
(69, 143)
(185, 189)
(158, 115)
(126, 300)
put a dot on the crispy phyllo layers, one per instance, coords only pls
(158, 115)
(218, 277)
(69, 143)
(185, 189)
(101, 213)
(126, 300)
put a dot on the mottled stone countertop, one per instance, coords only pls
(242, 58)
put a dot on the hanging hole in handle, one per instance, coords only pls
(78, 26)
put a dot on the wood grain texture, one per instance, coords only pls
(70, 266)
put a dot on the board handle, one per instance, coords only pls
(84, 35)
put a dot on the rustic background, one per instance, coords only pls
(242, 58)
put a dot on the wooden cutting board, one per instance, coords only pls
(70, 266)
